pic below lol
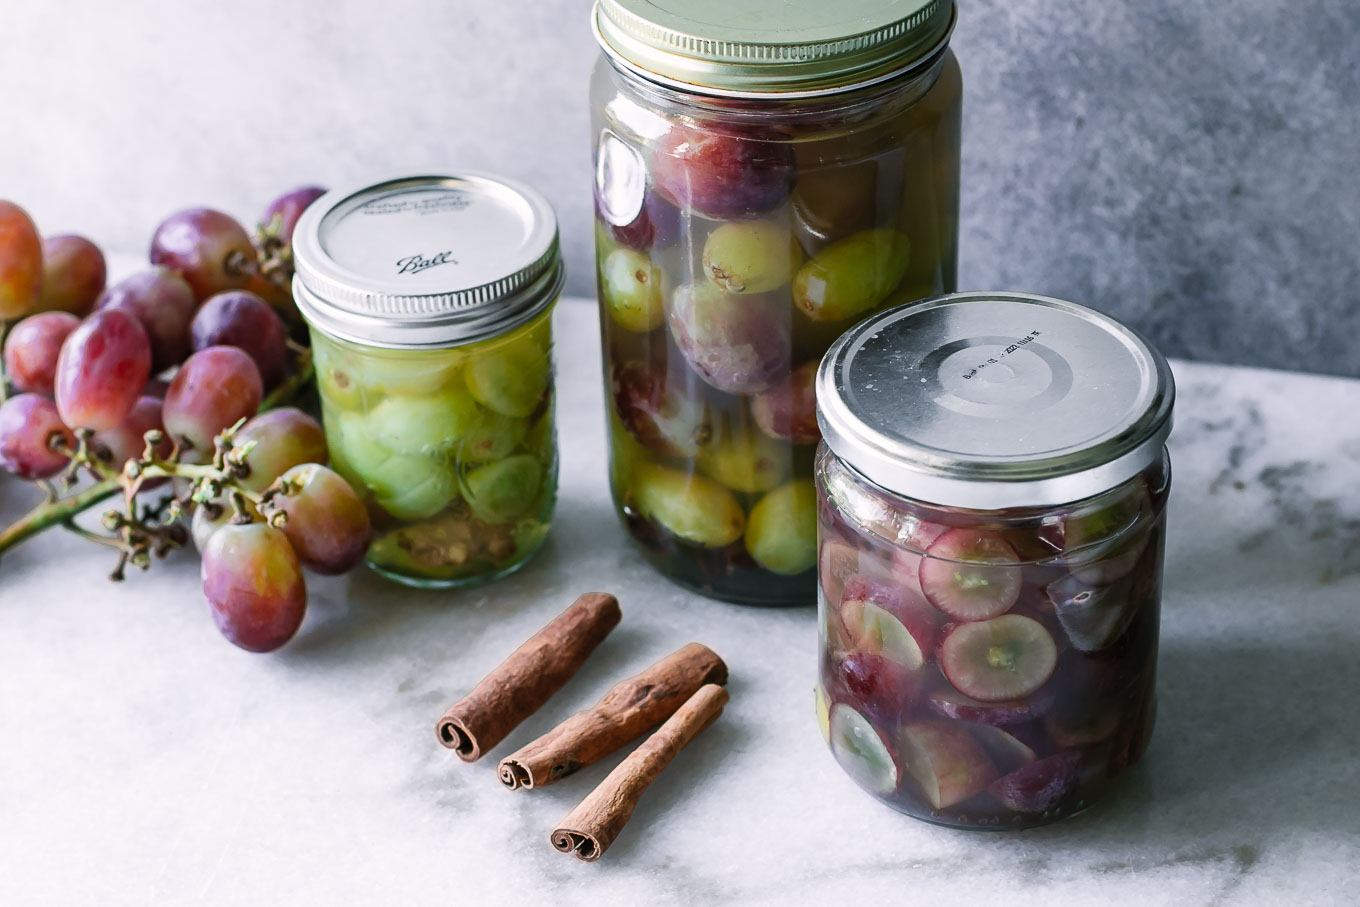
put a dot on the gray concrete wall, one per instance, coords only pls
(1191, 167)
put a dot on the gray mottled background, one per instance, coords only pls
(1191, 167)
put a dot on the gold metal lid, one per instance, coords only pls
(793, 47)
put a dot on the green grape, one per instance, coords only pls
(335, 375)
(752, 256)
(412, 487)
(633, 290)
(750, 462)
(782, 533)
(691, 507)
(491, 436)
(511, 377)
(406, 372)
(852, 276)
(422, 424)
(541, 441)
(500, 491)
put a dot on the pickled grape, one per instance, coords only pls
(101, 370)
(633, 290)
(73, 275)
(722, 176)
(500, 491)
(213, 390)
(21, 262)
(788, 410)
(335, 376)
(164, 304)
(424, 424)
(284, 211)
(491, 436)
(754, 256)
(657, 412)
(657, 225)
(208, 248)
(128, 441)
(283, 438)
(386, 373)
(746, 461)
(738, 344)
(690, 507)
(410, 487)
(326, 522)
(510, 378)
(241, 319)
(852, 276)
(28, 426)
(31, 350)
(254, 587)
(782, 532)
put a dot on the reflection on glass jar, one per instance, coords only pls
(990, 573)
(746, 215)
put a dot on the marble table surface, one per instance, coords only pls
(145, 761)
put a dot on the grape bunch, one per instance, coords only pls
(177, 372)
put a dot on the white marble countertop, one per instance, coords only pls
(145, 760)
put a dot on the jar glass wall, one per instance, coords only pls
(735, 240)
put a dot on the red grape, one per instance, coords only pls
(209, 248)
(32, 347)
(27, 425)
(327, 522)
(244, 320)
(283, 438)
(128, 440)
(102, 368)
(723, 176)
(73, 274)
(213, 390)
(288, 208)
(254, 586)
(164, 303)
(21, 264)
(204, 524)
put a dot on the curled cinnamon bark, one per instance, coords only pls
(633, 707)
(525, 680)
(589, 829)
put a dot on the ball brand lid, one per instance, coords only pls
(422, 260)
(992, 400)
(795, 47)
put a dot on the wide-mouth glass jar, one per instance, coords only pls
(766, 176)
(429, 300)
(992, 491)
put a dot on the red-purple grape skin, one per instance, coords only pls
(27, 425)
(254, 586)
(164, 303)
(244, 320)
(210, 249)
(32, 348)
(213, 390)
(128, 440)
(21, 264)
(284, 438)
(101, 370)
(73, 274)
(289, 207)
(723, 176)
(327, 523)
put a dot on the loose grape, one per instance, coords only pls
(788, 410)
(852, 276)
(753, 256)
(426, 424)
(164, 303)
(287, 208)
(254, 586)
(128, 440)
(738, 344)
(500, 491)
(510, 378)
(101, 370)
(73, 275)
(326, 522)
(32, 347)
(723, 176)
(21, 262)
(210, 249)
(28, 426)
(241, 319)
(213, 390)
(283, 438)
(691, 507)
(633, 291)
(746, 461)
(782, 533)
(490, 437)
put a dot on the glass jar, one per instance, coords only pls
(429, 300)
(759, 189)
(991, 490)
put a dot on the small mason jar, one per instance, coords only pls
(429, 300)
(991, 490)
(764, 179)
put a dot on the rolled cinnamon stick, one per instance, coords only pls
(633, 707)
(525, 680)
(589, 829)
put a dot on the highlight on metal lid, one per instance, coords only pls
(994, 400)
(426, 260)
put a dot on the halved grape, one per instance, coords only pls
(878, 687)
(21, 262)
(1094, 617)
(1006, 658)
(690, 507)
(504, 489)
(953, 704)
(208, 248)
(781, 532)
(241, 319)
(881, 619)
(425, 424)
(326, 522)
(164, 303)
(73, 274)
(1039, 785)
(861, 751)
(31, 350)
(945, 761)
(751, 256)
(283, 438)
(253, 583)
(634, 290)
(101, 370)
(213, 390)
(1007, 751)
(971, 574)
(28, 425)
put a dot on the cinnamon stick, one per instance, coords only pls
(525, 680)
(633, 707)
(589, 829)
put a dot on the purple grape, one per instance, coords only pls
(241, 319)
(28, 423)
(32, 348)
(723, 176)
(210, 249)
(288, 208)
(164, 303)
(101, 370)
(1040, 785)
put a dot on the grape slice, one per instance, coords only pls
(1093, 617)
(952, 704)
(971, 574)
(945, 761)
(1007, 751)
(861, 751)
(878, 687)
(1039, 785)
(883, 621)
(1006, 658)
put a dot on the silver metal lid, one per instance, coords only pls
(426, 260)
(993, 400)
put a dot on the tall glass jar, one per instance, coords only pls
(429, 300)
(759, 187)
(992, 492)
